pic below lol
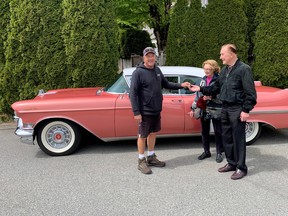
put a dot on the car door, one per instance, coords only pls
(192, 125)
(125, 125)
(172, 116)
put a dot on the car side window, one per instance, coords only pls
(191, 79)
(174, 79)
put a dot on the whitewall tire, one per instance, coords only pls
(59, 137)
(253, 131)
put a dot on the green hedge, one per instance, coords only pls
(271, 47)
(55, 44)
(134, 41)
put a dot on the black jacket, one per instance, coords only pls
(215, 102)
(146, 90)
(236, 87)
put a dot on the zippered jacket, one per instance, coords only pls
(215, 101)
(146, 90)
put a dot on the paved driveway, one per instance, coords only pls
(102, 179)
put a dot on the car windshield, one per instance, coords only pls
(120, 86)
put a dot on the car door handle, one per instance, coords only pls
(177, 100)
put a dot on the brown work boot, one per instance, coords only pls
(142, 166)
(153, 161)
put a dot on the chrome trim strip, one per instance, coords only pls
(269, 112)
(109, 139)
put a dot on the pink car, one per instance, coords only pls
(58, 118)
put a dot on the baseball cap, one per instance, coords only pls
(148, 50)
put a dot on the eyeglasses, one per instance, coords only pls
(208, 69)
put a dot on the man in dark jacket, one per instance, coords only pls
(237, 92)
(146, 100)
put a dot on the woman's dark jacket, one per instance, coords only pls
(215, 101)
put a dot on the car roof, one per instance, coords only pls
(172, 70)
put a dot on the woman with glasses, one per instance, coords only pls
(211, 69)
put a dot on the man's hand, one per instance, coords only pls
(185, 85)
(244, 116)
(191, 113)
(194, 88)
(205, 98)
(138, 118)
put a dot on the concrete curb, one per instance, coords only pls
(8, 125)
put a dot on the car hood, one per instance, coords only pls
(68, 93)
(67, 100)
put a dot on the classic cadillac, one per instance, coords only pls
(58, 118)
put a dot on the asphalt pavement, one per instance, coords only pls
(102, 179)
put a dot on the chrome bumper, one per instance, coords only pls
(25, 134)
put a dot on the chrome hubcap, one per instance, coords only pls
(248, 129)
(58, 136)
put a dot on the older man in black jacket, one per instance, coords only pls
(237, 92)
